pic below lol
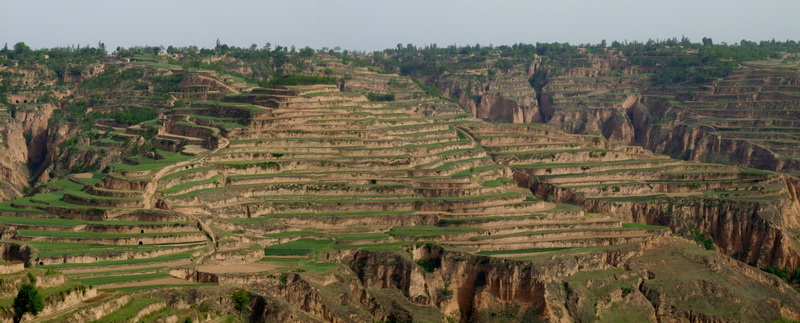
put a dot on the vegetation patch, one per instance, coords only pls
(297, 247)
(518, 251)
(300, 80)
(644, 226)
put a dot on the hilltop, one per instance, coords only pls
(518, 183)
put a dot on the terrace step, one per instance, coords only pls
(109, 239)
(114, 254)
(571, 242)
(533, 223)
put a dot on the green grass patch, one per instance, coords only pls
(361, 236)
(318, 267)
(164, 258)
(138, 288)
(386, 246)
(516, 251)
(74, 234)
(502, 181)
(294, 233)
(180, 187)
(428, 231)
(644, 226)
(128, 311)
(357, 213)
(645, 198)
(103, 280)
(297, 247)
(300, 80)
(168, 158)
(470, 171)
(6, 206)
(127, 271)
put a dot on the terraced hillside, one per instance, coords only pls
(736, 109)
(24, 125)
(348, 193)
(746, 118)
(740, 209)
(597, 95)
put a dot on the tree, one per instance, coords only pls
(707, 41)
(28, 300)
(306, 52)
(21, 48)
(241, 300)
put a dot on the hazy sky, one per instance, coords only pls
(378, 24)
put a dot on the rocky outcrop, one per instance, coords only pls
(703, 143)
(35, 123)
(100, 309)
(471, 288)
(309, 293)
(205, 82)
(755, 232)
(13, 170)
(610, 123)
(497, 107)
(15, 252)
(505, 97)
(62, 301)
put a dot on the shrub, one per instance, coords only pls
(626, 290)
(444, 294)
(240, 299)
(425, 264)
(777, 271)
(133, 116)
(51, 272)
(380, 97)
(28, 300)
(705, 241)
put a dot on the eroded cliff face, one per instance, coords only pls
(607, 94)
(640, 282)
(756, 231)
(498, 107)
(610, 123)
(493, 94)
(35, 123)
(24, 124)
(24, 142)
(703, 144)
(13, 173)
(720, 122)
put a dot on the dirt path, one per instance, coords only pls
(239, 268)
(151, 188)
(83, 175)
(160, 281)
